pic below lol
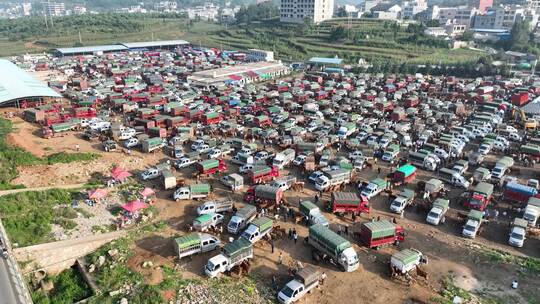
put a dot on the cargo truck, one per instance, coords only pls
(472, 224)
(330, 180)
(518, 232)
(422, 160)
(532, 211)
(195, 191)
(454, 178)
(233, 181)
(304, 281)
(241, 218)
(480, 197)
(263, 195)
(406, 260)
(346, 202)
(205, 221)
(152, 144)
(330, 245)
(519, 193)
(404, 174)
(258, 229)
(261, 174)
(234, 253)
(374, 187)
(438, 210)
(312, 213)
(211, 166)
(501, 168)
(284, 158)
(402, 200)
(168, 179)
(481, 174)
(220, 206)
(434, 186)
(380, 233)
(195, 243)
(532, 151)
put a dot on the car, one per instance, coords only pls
(510, 129)
(441, 153)
(324, 160)
(362, 135)
(384, 142)
(214, 153)
(373, 140)
(109, 145)
(355, 154)
(514, 136)
(484, 149)
(463, 138)
(499, 146)
(262, 155)
(299, 160)
(313, 176)
(478, 133)
(503, 141)
(245, 168)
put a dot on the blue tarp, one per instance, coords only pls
(522, 189)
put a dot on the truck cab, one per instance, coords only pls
(149, 174)
(517, 233)
(216, 265)
(471, 228)
(183, 163)
(292, 292)
(399, 204)
(373, 188)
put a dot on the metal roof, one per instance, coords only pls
(325, 60)
(16, 83)
(92, 49)
(139, 45)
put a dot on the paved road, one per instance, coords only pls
(10, 291)
(72, 186)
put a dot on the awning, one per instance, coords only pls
(134, 206)
(120, 174)
(252, 74)
(97, 193)
(235, 77)
(147, 192)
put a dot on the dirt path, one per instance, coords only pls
(72, 186)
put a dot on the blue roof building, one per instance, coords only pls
(325, 61)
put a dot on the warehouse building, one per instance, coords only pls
(129, 46)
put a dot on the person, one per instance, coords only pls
(274, 282)
(346, 230)
(378, 218)
(394, 220)
(378, 171)
(299, 265)
(290, 234)
(514, 284)
(323, 277)
(354, 217)
(272, 244)
(316, 198)
(77, 147)
(496, 214)
(280, 258)
(402, 213)
(295, 236)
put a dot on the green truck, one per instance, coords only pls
(257, 229)
(330, 245)
(195, 191)
(195, 243)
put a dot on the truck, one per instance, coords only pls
(152, 144)
(481, 174)
(304, 281)
(205, 221)
(195, 243)
(264, 194)
(168, 179)
(406, 260)
(438, 210)
(195, 191)
(380, 233)
(480, 197)
(518, 231)
(242, 159)
(258, 229)
(501, 167)
(233, 181)
(330, 245)
(220, 206)
(346, 202)
(241, 218)
(374, 187)
(284, 182)
(404, 174)
(284, 158)
(453, 178)
(402, 200)
(234, 253)
(433, 187)
(332, 179)
(519, 193)
(211, 166)
(532, 211)
(461, 166)
(472, 224)
(347, 130)
(422, 160)
(312, 213)
(390, 153)
(261, 174)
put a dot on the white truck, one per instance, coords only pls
(312, 213)
(284, 182)
(284, 158)
(233, 181)
(454, 178)
(329, 245)
(215, 207)
(205, 221)
(234, 253)
(241, 219)
(402, 200)
(472, 225)
(532, 211)
(502, 166)
(406, 260)
(332, 178)
(374, 187)
(517, 233)
(195, 243)
(195, 191)
(438, 210)
(258, 229)
(304, 281)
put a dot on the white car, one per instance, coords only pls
(498, 146)
(372, 140)
(514, 136)
(214, 153)
(363, 135)
(478, 133)
(511, 129)
(150, 174)
(204, 148)
(245, 168)
(299, 160)
(441, 153)
(463, 138)
(484, 149)
(384, 142)
(355, 154)
(132, 142)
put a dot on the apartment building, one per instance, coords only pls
(296, 11)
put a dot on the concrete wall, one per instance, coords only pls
(57, 256)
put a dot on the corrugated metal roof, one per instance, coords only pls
(138, 45)
(325, 60)
(16, 83)
(92, 49)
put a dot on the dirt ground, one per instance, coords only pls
(448, 253)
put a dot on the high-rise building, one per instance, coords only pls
(296, 11)
(55, 8)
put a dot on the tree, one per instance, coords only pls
(519, 36)
(467, 35)
(338, 33)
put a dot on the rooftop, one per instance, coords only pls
(16, 83)
(139, 45)
(321, 60)
(91, 49)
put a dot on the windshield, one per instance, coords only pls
(353, 260)
(433, 215)
(210, 266)
(469, 228)
(287, 291)
(516, 236)
(475, 202)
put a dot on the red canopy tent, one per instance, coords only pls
(97, 193)
(120, 174)
(134, 206)
(147, 192)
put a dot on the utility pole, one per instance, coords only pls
(45, 15)
(80, 37)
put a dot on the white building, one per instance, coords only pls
(54, 8)
(166, 6)
(79, 10)
(413, 8)
(296, 11)
(463, 15)
(26, 8)
(387, 11)
(260, 55)
(435, 31)
(208, 12)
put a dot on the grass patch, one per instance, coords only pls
(69, 287)
(530, 264)
(27, 216)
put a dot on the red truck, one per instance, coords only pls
(519, 193)
(380, 233)
(520, 98)
(263, 174)
(211, 118)
(211, 166)
(404, 174)
(346, 202)
(480, 197)
(262, 121)
(264, 195)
